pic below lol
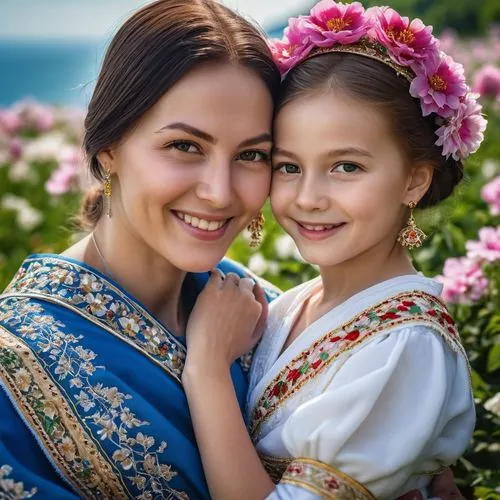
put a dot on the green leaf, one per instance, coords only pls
(493, 359)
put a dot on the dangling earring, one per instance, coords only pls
(411, 236)
(107, 192)
(255, 227)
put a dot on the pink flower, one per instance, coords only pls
(295, 46)
(462, 134)
(488, 246)
(491, 195)
(463, 281)
(440, 83)
(61, 180)
(64, 177)
(15, 148)
(10, 122)
(338, 23)
(487, 81)
(35, 115)
(405, 41)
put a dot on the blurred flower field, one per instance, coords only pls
(42, 175)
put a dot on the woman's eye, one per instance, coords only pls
(253, 156)
(346, 168)
(183, 146)
(287, 168)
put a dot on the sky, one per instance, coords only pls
(91, 19)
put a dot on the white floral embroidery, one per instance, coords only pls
(102, 407)
(11, 490)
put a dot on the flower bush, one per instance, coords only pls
(41, 179)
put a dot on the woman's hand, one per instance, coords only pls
(227, 320)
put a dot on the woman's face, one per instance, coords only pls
(195, 169)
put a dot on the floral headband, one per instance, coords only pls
(407, 47)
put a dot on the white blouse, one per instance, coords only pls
(391, 401)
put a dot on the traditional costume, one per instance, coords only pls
(369, 401)
(91, 401)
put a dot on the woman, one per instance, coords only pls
(178, 132)
(360, 387)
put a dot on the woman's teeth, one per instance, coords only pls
(206, 225)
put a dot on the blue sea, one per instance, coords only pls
(57, 72)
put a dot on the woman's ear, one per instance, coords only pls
(418, 183)
(106, 159)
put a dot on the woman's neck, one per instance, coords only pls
(147, 276)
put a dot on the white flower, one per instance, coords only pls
(45, 148)
(258, 264)
(493, 404)
(27, 216)
(490, 168)
(20, 171)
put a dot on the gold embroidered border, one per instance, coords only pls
(419, 319)
(17, 287)
(324, 480)
(89, 317)
(75, 446)
(275, 466)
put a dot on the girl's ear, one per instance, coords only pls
(418, 182)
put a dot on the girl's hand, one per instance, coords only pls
(227, 320)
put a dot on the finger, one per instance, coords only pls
(232, 279)
(260, 296)
(216, 278)
(247, 284)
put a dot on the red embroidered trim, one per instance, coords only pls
(324, 480)
(416, 307)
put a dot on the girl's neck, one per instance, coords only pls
(148, 277)
(344, 280)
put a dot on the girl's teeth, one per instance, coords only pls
(204, 224)
(319, 228)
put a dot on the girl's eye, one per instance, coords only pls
(287, 168)
(183, 146)
(346, 168)
(253, 156)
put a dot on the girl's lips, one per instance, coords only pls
(317, 232)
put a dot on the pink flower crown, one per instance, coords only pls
(407, 47)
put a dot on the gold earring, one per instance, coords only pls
(107, 192)
(411, 236)
(255, 227)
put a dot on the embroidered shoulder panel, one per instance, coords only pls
(9, 489)
(324, 480)
(98, 300)
(415, 308)
(87, 427)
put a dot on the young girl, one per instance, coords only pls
(360, 387)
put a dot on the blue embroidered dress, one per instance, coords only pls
(91, 404)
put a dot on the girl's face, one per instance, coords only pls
(340, 180)
(195, 169)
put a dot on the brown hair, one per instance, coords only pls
(151, 52)
(376, 83)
